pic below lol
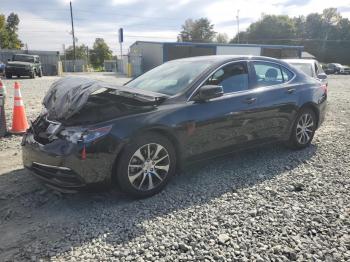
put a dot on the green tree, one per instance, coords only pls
(12, 28)
(271, 27)
(325, 35)
(221, 38)
(343, 29)
(200, 30)
(100, 52)
(3, 32)
(80, 52)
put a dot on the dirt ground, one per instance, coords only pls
(35, 221)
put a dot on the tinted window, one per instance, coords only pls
(23, 58)
(287, 75)
(232, 78)
(267, 74)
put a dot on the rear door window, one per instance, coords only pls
(287, 74)
(269, 74)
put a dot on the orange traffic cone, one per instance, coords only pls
(19, 119)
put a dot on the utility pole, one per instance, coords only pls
(71, 18)
(87, 54)
(237, 17)
(64, 51)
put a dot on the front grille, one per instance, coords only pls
(57, 175)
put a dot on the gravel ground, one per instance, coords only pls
(265, 204)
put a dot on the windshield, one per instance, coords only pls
(306, 68)
(170, 78)
(23, 58)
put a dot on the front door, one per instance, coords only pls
(226, 120)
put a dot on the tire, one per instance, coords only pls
(136, 176)
(40, 74)
(32, 75)
(9, 76)
(303, 130)
(18, 76)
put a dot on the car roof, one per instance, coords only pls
(300, 61)
(224, 58)
(27, 55)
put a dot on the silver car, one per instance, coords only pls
(310, 67)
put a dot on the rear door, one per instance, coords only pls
(277, 97)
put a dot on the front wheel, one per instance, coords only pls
(303, 129)
(146, 165)
(32, 75)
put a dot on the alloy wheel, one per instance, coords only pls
(148, 166)
(305, 128)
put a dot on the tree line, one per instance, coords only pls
(95, 56)
(8, 32)
(325, 35)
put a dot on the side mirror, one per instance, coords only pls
(322, 76)
(208, 92)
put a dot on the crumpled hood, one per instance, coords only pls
(69, 94)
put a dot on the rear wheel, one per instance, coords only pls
(303, 129)
(8, 76)
(146, 165)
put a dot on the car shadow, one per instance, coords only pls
(42, 220)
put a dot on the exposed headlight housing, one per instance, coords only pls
(94, 134)
(72, 134)
(75, 135)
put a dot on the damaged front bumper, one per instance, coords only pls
(56, 163)
(62, 164)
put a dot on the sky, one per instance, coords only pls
(46, 25)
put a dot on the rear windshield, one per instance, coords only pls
(306, 68)
(23, 58)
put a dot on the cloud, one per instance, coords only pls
(124, 2)
(46, 24)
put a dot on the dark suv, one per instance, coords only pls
(24, 65)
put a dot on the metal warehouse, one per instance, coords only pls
(156, 53)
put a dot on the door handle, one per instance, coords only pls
(250, 100)
(290, 90)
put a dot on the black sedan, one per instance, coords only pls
(137, 136)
